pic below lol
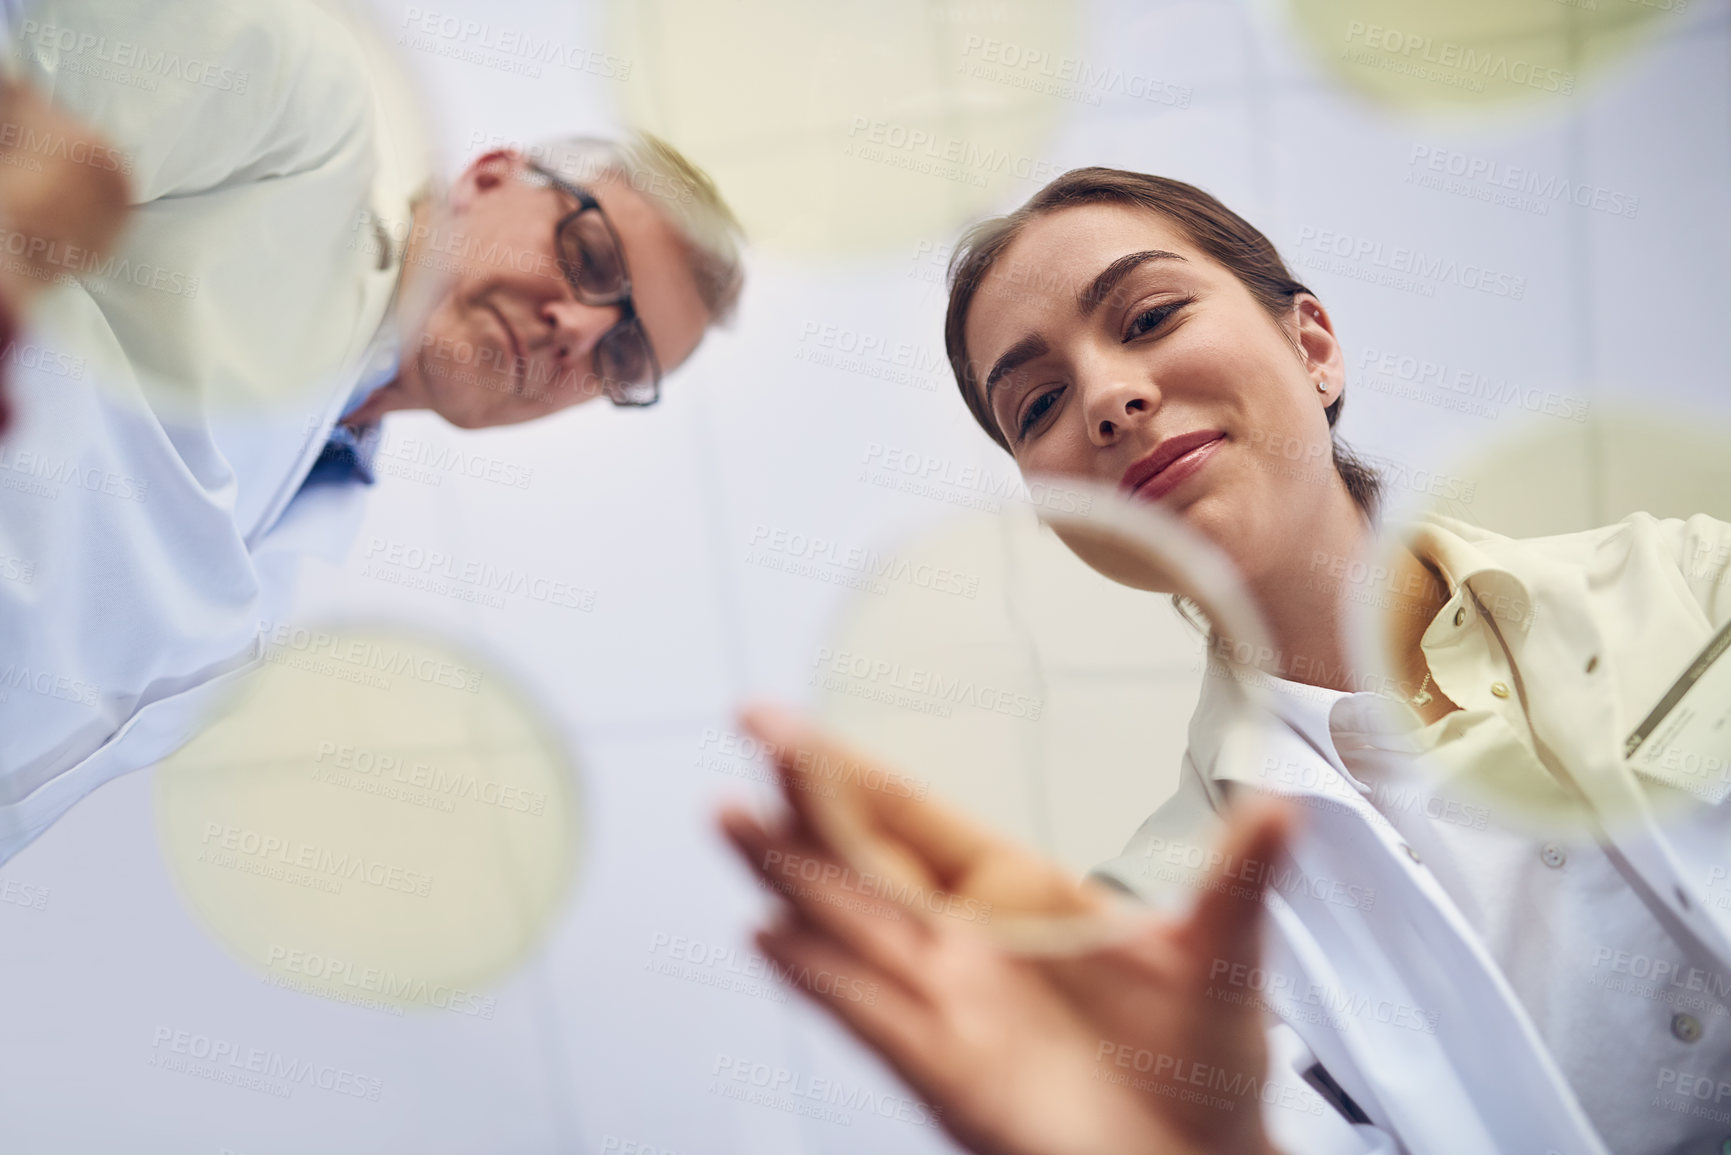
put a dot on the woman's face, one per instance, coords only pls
(1111, 348)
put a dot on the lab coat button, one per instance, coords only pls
(1460, 615)
(1553, 855)
(1410, 852)
(1500, 689)
(1686, 1027)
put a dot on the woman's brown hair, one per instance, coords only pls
(1215, 229)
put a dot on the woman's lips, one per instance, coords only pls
(1173, 464)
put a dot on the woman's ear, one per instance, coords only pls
(1317, 344)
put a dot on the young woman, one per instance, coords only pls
(1444, 978)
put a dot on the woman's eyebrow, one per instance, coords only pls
(1014, 358)
(1091, 298)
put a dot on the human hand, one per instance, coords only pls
(1114, 1048)
(63, 198)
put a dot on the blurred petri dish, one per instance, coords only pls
(843, 131)
(1473, 54)
(1032, 675)
(253, 272)
(374, 816)
(1545, 479)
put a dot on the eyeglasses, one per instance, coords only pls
(593, 261)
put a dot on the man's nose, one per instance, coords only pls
(577, 327)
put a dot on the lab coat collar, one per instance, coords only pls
(1488, 575)
(1299, 713)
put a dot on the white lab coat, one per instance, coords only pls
(1437, 1051)
(192, 378)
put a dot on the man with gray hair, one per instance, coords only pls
(290, 274)
(576, 269)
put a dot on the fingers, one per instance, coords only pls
(868, 1001)
(1227, 920)
(832, 898)
(830, 786)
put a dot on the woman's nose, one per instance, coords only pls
(1116, 406)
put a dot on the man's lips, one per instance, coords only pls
(1158, 473)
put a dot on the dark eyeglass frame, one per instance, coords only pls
(628, 319)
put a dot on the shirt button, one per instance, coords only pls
(1460, 615)
(1686, 1027)
(1500, 689)
(1553, 855)
(1410, 852)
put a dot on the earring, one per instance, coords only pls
(1322, 386)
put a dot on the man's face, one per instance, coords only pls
(509, 341)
